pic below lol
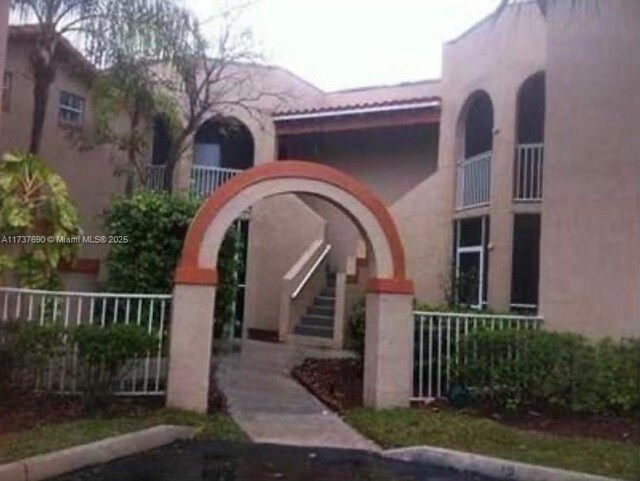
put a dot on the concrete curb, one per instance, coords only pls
(488, 466)
(48, 465)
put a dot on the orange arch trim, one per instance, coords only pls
(189, 272)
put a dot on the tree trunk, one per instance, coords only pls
(134, 174)
(44, 73)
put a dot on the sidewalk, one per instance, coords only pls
(271, 407)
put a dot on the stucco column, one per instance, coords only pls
(190, 347)
(501, 208)
(388, 350)
(181, 180)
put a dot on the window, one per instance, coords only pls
(6, 91)
(71, 108)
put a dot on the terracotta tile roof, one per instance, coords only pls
(405, 94)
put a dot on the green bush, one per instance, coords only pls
(541, 370)
(229, 264)
(106, 354)
(34, 201)
(155, 224)
(26, 345)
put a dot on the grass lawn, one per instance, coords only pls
(409, 427)
(52, 437)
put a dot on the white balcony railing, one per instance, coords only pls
(156, 177)
(528, 172)
(474, 181)
(205, 179)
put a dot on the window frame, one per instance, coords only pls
(69, 108)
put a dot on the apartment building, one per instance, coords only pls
(514, 179)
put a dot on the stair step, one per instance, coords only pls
(313, 331)
(324, 301)
(321, 310)
(316, 321)
(329, 292)
(331, 282)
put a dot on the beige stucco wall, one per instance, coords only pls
(4, 30)
(281, 228)
(497, 56)
(399, 165)
(590, 227)
(89, 174)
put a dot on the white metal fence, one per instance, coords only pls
(474, 181)
(205, 179)
(528, 172)
(156, 177)
(147, 375)
(437, 337)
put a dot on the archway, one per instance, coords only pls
(224, 142)
(388, 339)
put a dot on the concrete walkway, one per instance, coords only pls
(271, 407)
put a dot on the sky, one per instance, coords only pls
(341, 44)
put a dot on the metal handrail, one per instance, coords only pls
(110, 295)
(479, 315)
(211, 168)
(311, 271)
(476, 158)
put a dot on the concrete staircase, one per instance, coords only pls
(318, 320)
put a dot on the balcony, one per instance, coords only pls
(474, 181)
(528, 173)
(203, 181)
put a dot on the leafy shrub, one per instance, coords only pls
(106, 354)
(229, 263)
(541, 370)
(34, 201)
(357, 327)
(155, 224)
(26, 345)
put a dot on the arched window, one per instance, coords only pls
(478, 125)
(224, 142)
(474, 165)
(530, 139)
(531, 109)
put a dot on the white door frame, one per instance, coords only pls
(477, 249)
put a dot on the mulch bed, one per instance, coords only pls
(338, 384)
(20, 411)
(24, 410)
(601, 427)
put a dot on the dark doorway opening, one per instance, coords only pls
(526, 263)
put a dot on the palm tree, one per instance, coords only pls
(98, 26)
